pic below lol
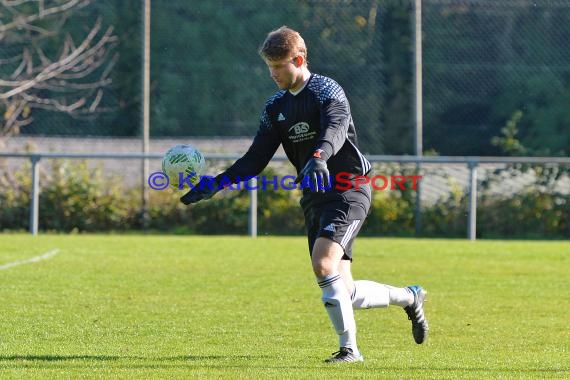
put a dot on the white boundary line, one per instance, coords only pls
(32, 260)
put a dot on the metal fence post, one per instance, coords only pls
(418, 106)
(145, 113)
(472, 222)
(418, 208)
(252, 222)
(35, 194)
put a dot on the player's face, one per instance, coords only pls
(287, 73)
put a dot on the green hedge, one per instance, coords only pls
(77, 198)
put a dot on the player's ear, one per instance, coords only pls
(299, 61)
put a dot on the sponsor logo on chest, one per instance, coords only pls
(301, 132)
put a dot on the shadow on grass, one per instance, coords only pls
(103, 358)
(56, 358)
(221, 361)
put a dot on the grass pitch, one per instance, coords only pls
(108, 306)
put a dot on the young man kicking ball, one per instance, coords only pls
(310, 116)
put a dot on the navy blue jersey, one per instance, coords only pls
(318, 117)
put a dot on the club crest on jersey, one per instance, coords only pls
(301, 132)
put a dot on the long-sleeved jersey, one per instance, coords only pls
(318, 117)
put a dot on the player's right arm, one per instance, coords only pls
(262, 149)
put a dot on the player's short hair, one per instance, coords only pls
(283, 43)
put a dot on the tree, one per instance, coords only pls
(47, 62)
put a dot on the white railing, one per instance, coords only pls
(471, 163)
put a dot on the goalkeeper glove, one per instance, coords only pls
(205, 189)
(317, 172)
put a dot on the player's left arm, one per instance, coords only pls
(335, 121)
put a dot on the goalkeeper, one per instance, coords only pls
(310, 116)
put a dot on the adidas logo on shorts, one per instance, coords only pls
(330, 228)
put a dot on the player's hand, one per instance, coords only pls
(318, 174)
(205, 189)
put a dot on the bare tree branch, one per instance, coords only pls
(4, 61)
(43, 58)
(22, 66)
(20, 21)
(16, 116)
(95, 103)
(54, 103)
(79, 54)
(70, 81)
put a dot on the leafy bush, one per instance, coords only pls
(75, 197)
(15, 198)
(534, 214)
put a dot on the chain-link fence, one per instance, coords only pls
(486, 63)
(219, 82)
(495, 78)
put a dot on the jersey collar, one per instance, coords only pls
(307, 77)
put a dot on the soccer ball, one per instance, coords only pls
(180, 162)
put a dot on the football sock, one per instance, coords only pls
(370, 294)
(400, 296)
(338, 305)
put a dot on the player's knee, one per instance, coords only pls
(325, 257)
(321, 271)
(324, 267)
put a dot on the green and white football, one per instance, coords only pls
(183, 163)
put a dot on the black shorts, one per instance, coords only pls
(337, 215)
